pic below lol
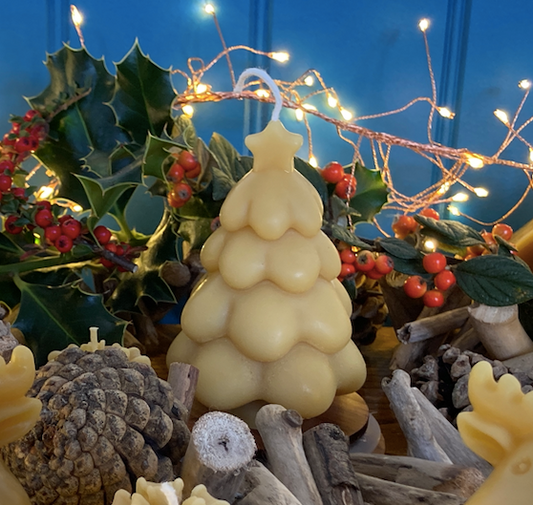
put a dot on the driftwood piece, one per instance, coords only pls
(326, 448)
(448, 437)
(183, 379)
(522, 363)
(432, 326)
(281, 432)
(465, 340)
(420, 440)
(219, 452)
(420, 473)
(383, 492)
(262, 487)
(500, 331)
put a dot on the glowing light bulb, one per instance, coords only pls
(524, 84)
(201, 88)
(45, 192)
(531, 155)
(444, 188)
(308, 106)
(460, 197)
(77, 208)
(262, 93)
(445, 112)
(474, 161)
(309, 80)
(430, 245)
(454, 211)
(332, 101)
(188, 110)
(481, 192)
(299, 114)
(76, 16)
(313, 162)
(280, 56)
(502, 116)
(209, 9)
(346, 114)
(423, 24)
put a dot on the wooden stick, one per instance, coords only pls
(281, 432)
(448, 437)
(429, 327)
(183, 379)
(500, 331)
(420, 473)
(384, 492)
(420, 440)
(261, 487)
(326, 448)
(219, 452)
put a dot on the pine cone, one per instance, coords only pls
(105, 422)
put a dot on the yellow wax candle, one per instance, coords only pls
(499, 429)
(18, 415)
(270, 321)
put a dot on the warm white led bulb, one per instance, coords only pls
(454, 210)
(77, 208)
(280, 56)
(430, 245)
(524, 84)
(299, 114)
(445, 112)
(475, 162)
(76, 16)
(444, 188)
(502, 116)
(332, 101)
(313, 162)
(346, 114)
(45, 192)
(460, 197)
(481, 192)
(188, 110)
(531, 155)
(209, 8)
(309, 80)
(262, 93)
(308, 106)
(201, 88)
(423, 24)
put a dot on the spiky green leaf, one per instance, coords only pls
(371, 193)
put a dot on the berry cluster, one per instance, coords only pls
(345, 184)
(404, 225)
(416, 287)
(373, 266)
(184, 166)
(491, 246)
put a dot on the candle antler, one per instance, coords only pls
(257, 72)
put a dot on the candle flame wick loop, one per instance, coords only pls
(257, 72)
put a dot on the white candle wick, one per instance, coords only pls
(257, 72)
(93, 331)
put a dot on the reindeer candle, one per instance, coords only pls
(270, 321)
(500, 430)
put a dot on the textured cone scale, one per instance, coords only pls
(105, 422)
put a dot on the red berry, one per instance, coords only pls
(106, 263)
(415, 286)
(488, 238)
(52, 233)
(23, 144)
(44, 218)
(19, 193)
(30, 114)
(102, 234)
(187, 160)
(430, 213)
(333, 172)
(175, 173)
(8, 140)
(195, 172)
(6, 165)
(179, 195)
(215, 223)
(43, 204)
(433, 298)
(345, 189)
(10, 225)
(475, 250)
(374, 274)
(434, 262)
(39, 131)
(384, 264)
(444, 280)
(71, 228)
(404, 225)
(364, 261)
(502, 230)
(5, 183)
(111, 247)
(34, 144)
(15, 128)
(347, 255)
(63, 244)
(346, 270)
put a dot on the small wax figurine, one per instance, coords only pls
(166, 493)
(270, 321)
(18, 414)
(500, 430)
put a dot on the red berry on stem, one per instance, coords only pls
(23, 144)
(404, 225)
(19, 193)
(444, 280)
(71, 228)
(175, 173)
(345, 189)
(10, 225)
(415, 286)
(52, 233)
(502, 230)
(364, 261)
(8, 140)
(384, 264)
(346, 270)
(434, 262)
(430, 213)
(102, 234)
(195, 172)
(5, 183)
(179, 195)
(347, 255)
(332, 172)
(43, 204)
(63, 244)
(6, 165)
(187, 160)
(44, 218)
(488, 238)
(374, 274)
(433, 298)
(30, 114)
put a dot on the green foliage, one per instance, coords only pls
(451, 233)
(371, 194)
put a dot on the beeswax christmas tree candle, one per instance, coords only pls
(270, 321)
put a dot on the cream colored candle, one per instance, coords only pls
(18, 414)
(500, 430)
(270, 321)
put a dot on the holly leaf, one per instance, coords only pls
(196, 231)
(9, 293)
(398, 248)
(157, 152)
(495, 280)
(313, 176)
(146, 281)
(42, 318)
(143, 95)
(451, 233)
(345, 235)
(371, 193)
(81, 86)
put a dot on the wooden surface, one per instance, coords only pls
(377, 357)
